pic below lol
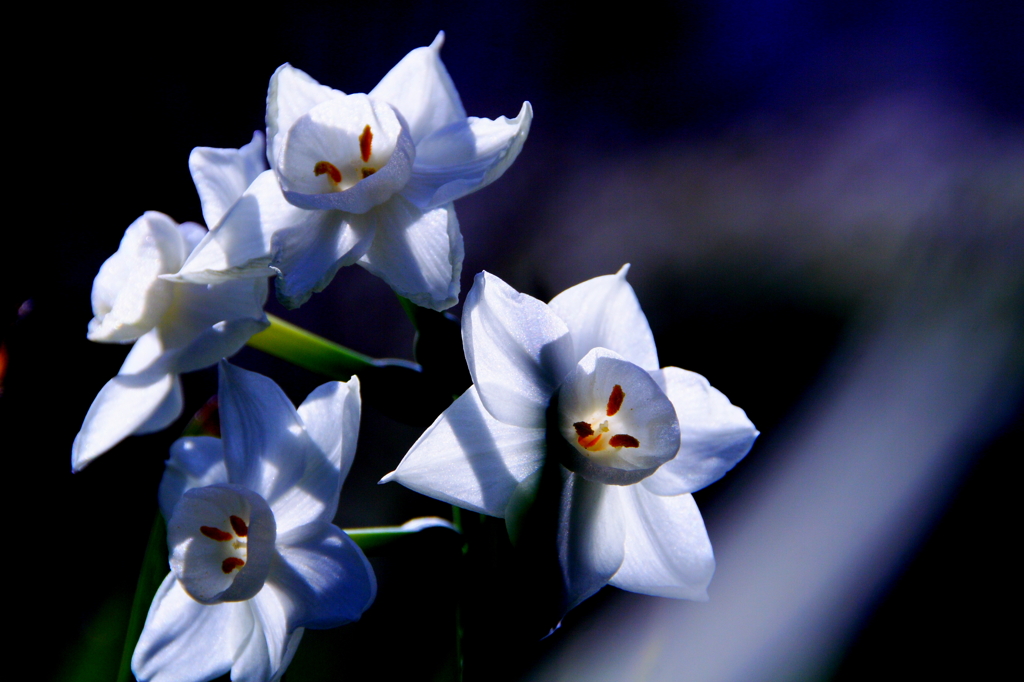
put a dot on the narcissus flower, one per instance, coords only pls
(363, 178)
(177, 327)
(631, 440)
(254, 556)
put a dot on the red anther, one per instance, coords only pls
(622, 440)
(322, 167)
(215, 533)
(231, 563)
(615, 400)
(365, 144)
(241, 530)
(367, 172)
(583, 429)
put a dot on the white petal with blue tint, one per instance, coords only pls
(470, 459)
(604, 312)
(465, 156)
(128, 296)
(714, 434)
(419, 254)
(221, 175)
(518, 351)
(668, 553)
(421, 89)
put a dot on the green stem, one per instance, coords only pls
(307, 350)
(154, 569)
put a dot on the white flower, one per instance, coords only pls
(177, 327)
(632, 441)
(367, 179)
(254, 556)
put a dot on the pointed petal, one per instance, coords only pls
(331, 417)
(307, 256)
(263, 656)
(420, 88)
(266, 447)
(332, 411)
(185, 641)
(291, 94)
(128, 296)
(221, 175)
(123, 405)
(518, 351)
(464, 157)
(167, 411)
(326, 577)
(470, 459)
(668, 553)
(195, 462)
(289, 653)
(714, 434)
(604, 312)
(209, 322)
(418, 254)
(591, 537)
(241, 246)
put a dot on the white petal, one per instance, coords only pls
(185, 641)
(241, 246)
(464, 157)
(128, 296)
(470, 459)
(221, 175)
(333, 132)
(603, 312)
(195, 462)
(325, 576)
(334, 411)
(668, 553)
(266, 447)
(291, 94)
(714, 434)
(331, 417)
(518, 351)
(591, 536)
(289, 653)
(166, 412)
(421, 89)
(307, 256)
(192, 233)
(418, 254)
(122, 406)
(264, 655)
(208, 322)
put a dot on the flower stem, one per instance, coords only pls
(307, 350)
(154, 569)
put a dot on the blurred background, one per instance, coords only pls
(823, 205)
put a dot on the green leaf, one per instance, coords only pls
(381, 536)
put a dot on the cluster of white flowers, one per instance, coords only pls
(572, 386)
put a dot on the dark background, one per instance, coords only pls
(731, 108)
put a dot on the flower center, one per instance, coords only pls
(619, 424)
(356, 169)
(237, 538)
(591, 435)
(222, 540)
